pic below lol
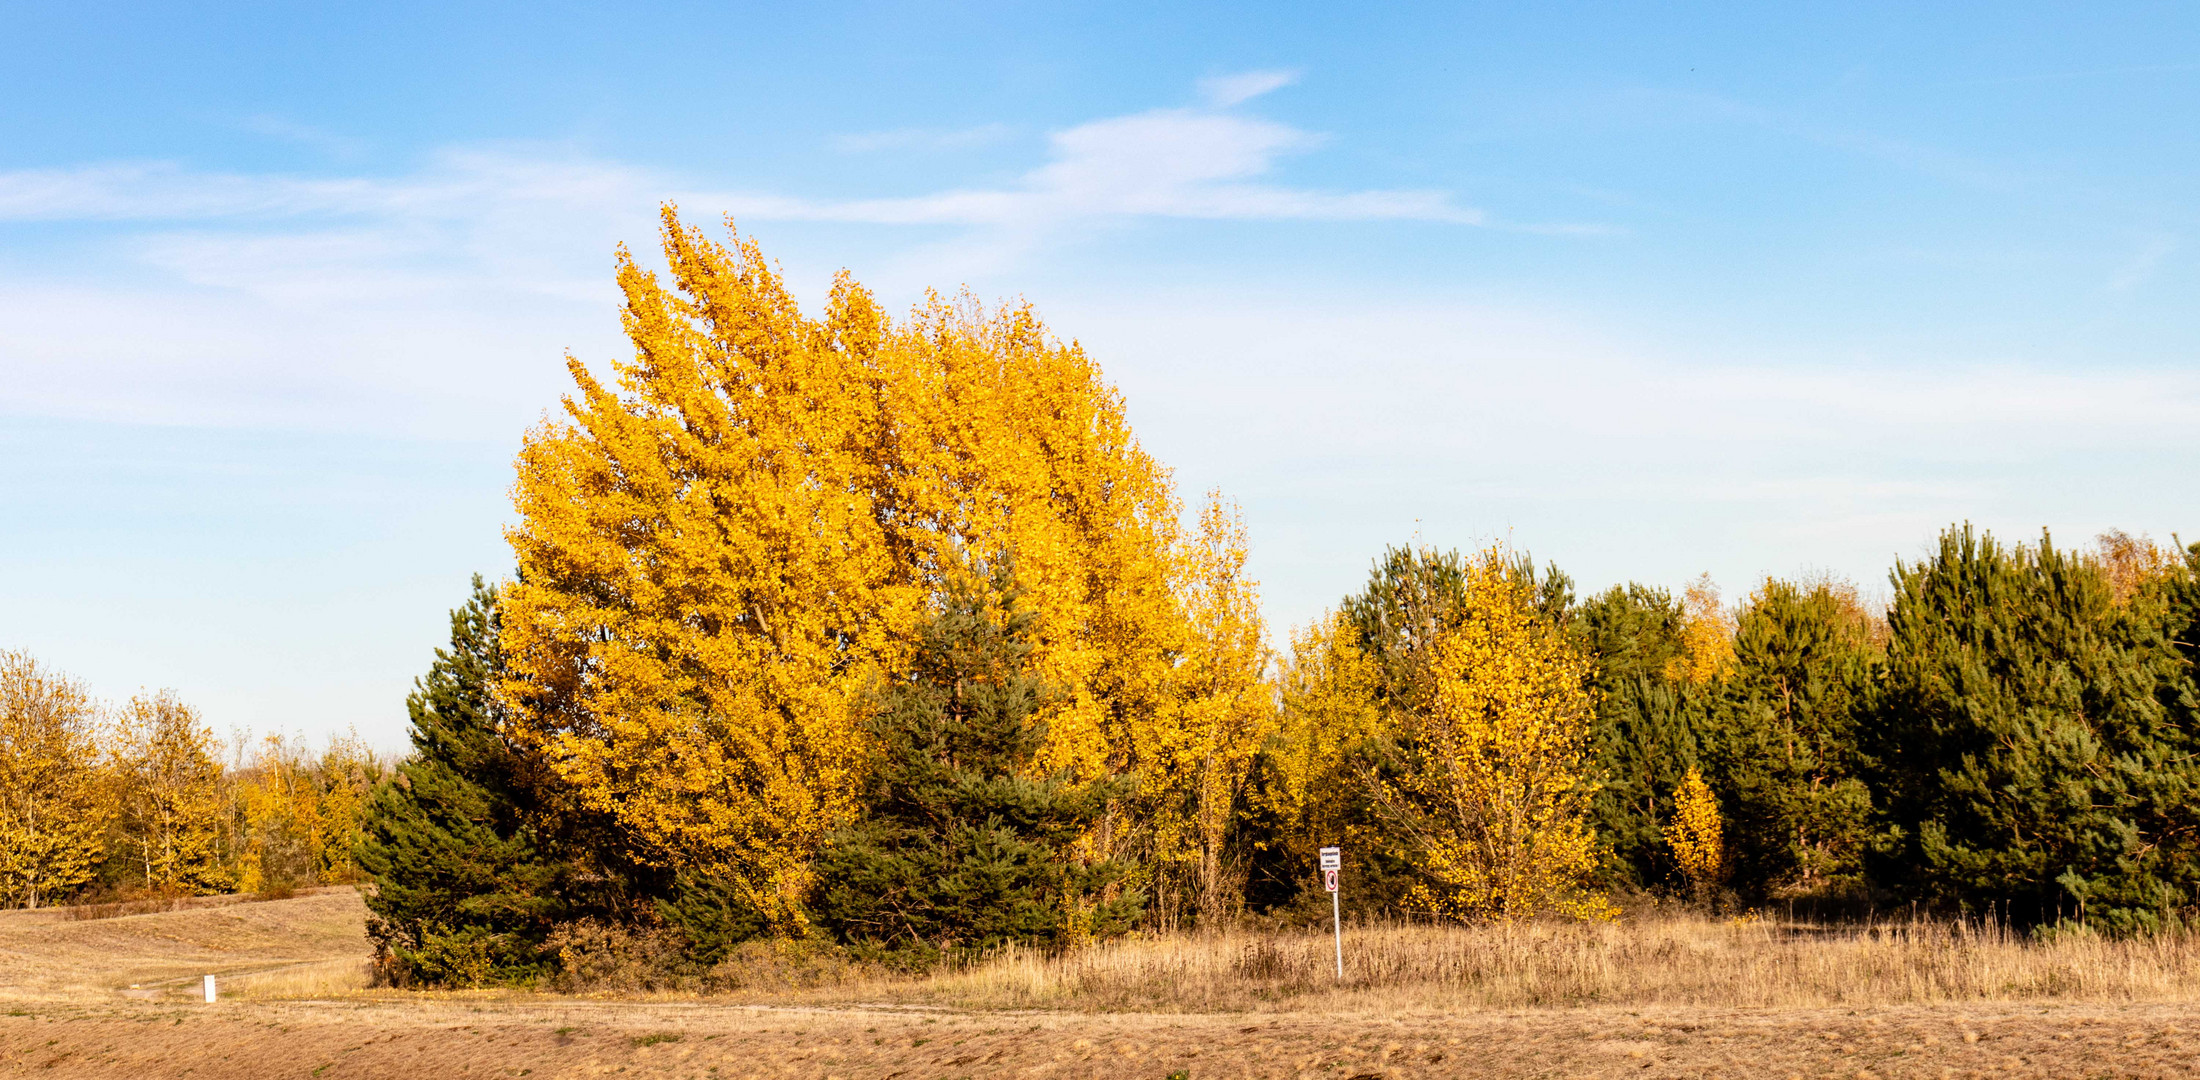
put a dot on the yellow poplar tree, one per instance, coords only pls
(1005, 439)
(275, 809)
(1694, 834)
(1494, 779)
(1326, 688)
(55, 803)
(343, 779)
(705, 589)
(2131, 562)
(173, 798)
(1707, 635)
(721, 550)
(1225, 709)
(301, 812)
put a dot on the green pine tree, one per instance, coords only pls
(1782, 730)
(464, 890)
(2035, 745)
(1647, 728)
(964, 847)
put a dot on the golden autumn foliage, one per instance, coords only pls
(2132, 562)
(299, 814)
(1328, 689)
(54, 799)
(1225, 711)
(173, 798)
(1695, 834)
(1707, 635)
(722, 550)
(1495, 781)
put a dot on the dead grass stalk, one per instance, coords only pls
(1660, 961)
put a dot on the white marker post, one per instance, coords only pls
(209, 989)
(1332, 861)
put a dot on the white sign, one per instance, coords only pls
(1332, 861)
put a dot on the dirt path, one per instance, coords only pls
(441, 1038)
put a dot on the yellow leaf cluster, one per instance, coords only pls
(1223, 711)
(1707, 635)
(1496, 780)
(1328, 689)
(54, 800)
(2133, 562)
(173, 798)
(1694, 834)
(721, 551)
(299, 814)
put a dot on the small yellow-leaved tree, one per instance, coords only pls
(172, 796)
(1694, 834)
(54, 800)
(1492, 780)
(1707, 635)
(1224, 709)
(1327, 690)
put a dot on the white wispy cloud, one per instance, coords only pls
(1223, 91)
(1167, 163)
(307, 135)
(236, 278)
(921, 138)
(1185, 163)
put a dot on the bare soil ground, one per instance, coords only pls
(437, 1038)
(295, 1006)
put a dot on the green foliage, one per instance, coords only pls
(463, 885)
(2036, 741)
(964, 848)
(1782, 739)
(712, 915)
(1413, 594)
(1646, 732)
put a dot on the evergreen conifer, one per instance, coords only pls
(464, 890)
(1782, 739)
(2035, 743)
(1645, 735)
(964, 847)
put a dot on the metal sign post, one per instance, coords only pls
(1332, 861)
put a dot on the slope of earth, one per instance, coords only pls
(453, 1037)
(49, 954)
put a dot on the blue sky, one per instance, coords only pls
(1649, 292)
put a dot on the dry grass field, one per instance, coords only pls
(1653, 997)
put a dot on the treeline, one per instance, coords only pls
(883, 637)
(141, 802)
(846, 639)
(2014, 733)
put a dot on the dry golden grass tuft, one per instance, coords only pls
(311, 979)
(1655, 961)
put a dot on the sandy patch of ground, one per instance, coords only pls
(431, 1037)
(47, 954)
(67, 1009)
